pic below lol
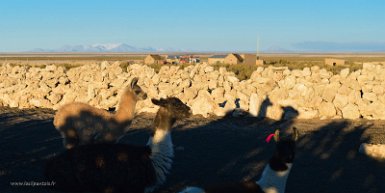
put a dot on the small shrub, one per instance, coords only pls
(242, 71)
(156, 67)
(68, 66)
(123, 65)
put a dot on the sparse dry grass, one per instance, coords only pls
(352, 65)
(68, 66)
(292, 61)
(241, 71)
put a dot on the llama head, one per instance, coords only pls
(171, 109)
(285, 146)
(70, 138)
(139, 93)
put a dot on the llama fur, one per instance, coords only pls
(274, 176)
(80, 123)
(120, 168)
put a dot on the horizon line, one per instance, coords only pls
(191, 52)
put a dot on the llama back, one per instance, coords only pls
(77, 109)
(78, 123)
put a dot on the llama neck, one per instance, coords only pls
(273, 181)
(126, 109)
(161, 156)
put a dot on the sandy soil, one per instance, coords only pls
(212, 151)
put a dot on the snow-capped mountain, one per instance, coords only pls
(120, 47)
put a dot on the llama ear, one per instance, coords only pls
(134, 81)
(160, 102)
(276, 135)
(295, 134)
(155, 102)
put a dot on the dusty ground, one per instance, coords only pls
(213, 150)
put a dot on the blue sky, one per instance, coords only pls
(198, 25)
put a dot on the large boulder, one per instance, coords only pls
(254, 104)
(306, 71)
(42, 103)
(327, 109)
(54, 98)
(340, 101)
(307, 113)
(218, 94)
(354, 96)
(274, 112)
(378, 89)
(329, 91)
(288, 82)
(344, 90)
(203, 104)
(350, 111)
(190, 93)
(370, 96)
(344, 72)
(232, 79)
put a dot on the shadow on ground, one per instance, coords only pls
(217, 150)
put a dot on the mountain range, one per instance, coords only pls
(119, 47)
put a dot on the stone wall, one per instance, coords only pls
(313, 92)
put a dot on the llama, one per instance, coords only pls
(120, 168)
(375, 151)
(80, 123)
(274, 176)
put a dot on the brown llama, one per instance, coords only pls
(80, 123)
(120, 168)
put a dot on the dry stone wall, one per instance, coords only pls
(313, 92)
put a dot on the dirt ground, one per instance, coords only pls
(211, 151)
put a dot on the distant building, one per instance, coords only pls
(249, 59)
(334, 62)
(154, 59)
(184, 59)
(194, 59)
(216, 59)
(233, 59)
(173, 59)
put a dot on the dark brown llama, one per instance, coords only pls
(274, 175)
